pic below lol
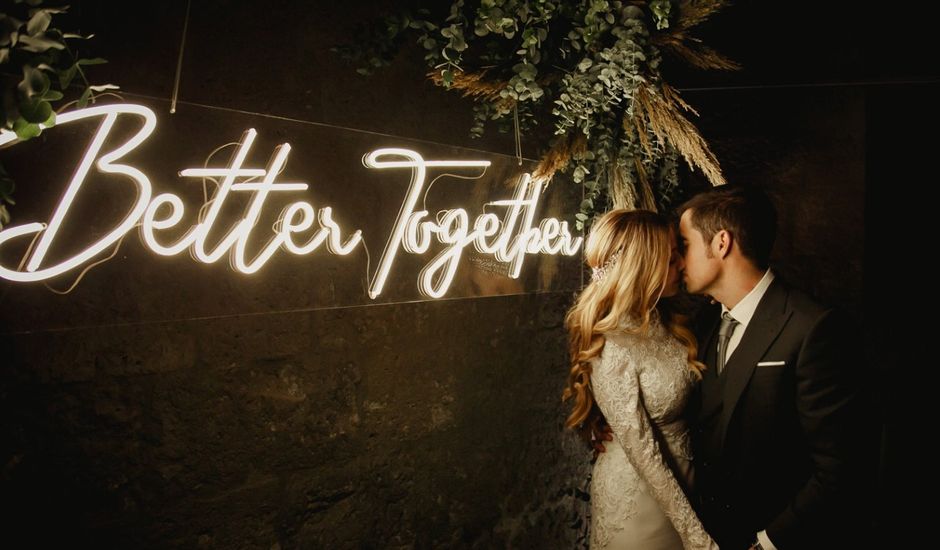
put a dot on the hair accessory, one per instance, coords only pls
(598, 273)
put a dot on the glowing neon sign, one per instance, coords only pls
(510, 240)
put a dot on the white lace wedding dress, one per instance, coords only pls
(641, 384)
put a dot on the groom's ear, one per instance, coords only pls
(722, 242)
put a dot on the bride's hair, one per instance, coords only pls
(629, 253)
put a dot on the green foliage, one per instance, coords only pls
(38, 68)
(578, 64)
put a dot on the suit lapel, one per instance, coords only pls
(707, 333)
(769, 318)
(710, 397)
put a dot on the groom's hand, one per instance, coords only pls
(598, 439)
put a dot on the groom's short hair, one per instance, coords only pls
(745, 212)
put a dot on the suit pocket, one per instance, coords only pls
(772, 364)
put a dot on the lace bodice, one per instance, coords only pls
(641, 384)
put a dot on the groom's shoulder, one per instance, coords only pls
(802, 303)
(805, 308)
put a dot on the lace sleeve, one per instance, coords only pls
(618, 395)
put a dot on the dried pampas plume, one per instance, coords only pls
(662, 113)
(693, 12)
(471, 84)
(700, 57)
(559, 155)
(688, 48)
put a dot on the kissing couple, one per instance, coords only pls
(735, 431)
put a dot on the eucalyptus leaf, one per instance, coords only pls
(66, 76)
(91, 61)
(103, 87)
(447, 76)
(39, 22)
(35, 110)
(34, 82)
(26, 130)
(83, 99)
(38, 44)
(59, 9)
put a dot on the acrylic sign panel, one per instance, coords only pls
(210, 212)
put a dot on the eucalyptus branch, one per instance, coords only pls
(31, 46)
(592, 68)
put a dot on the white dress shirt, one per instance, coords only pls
(742, 313)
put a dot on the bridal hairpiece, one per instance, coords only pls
(598, 273)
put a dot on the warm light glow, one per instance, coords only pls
(235, 242)
(412, 232)
(419, 168)
(105, 164)
(509, 239)
(145, 212)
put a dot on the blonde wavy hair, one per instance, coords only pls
(632, 248)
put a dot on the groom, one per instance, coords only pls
(773, 420)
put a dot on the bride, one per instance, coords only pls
(633, 366)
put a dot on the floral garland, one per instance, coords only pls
(591, 66)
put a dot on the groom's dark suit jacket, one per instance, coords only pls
(774, 442)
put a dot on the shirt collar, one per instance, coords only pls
(745, 309)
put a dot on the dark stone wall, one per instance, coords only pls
(438, 424)
(389, 426)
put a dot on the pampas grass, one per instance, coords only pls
(663, 113)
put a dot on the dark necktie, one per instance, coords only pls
(724, 336)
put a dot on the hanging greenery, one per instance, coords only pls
(37, 68)
(591, 66)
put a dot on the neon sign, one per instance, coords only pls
(509, 239)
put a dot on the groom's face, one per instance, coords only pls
(675, 264)
(700, 265)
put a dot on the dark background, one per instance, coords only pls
(438, 424)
